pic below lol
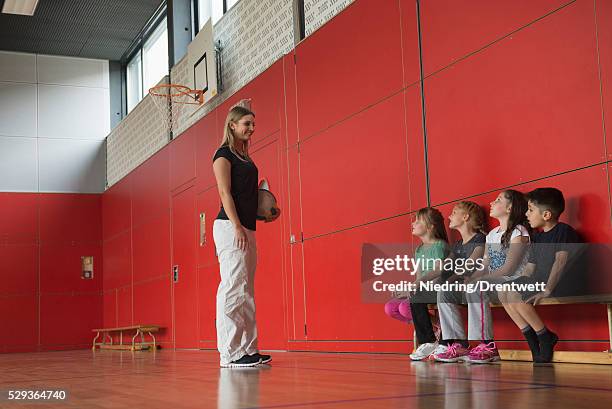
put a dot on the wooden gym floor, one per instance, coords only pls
(193, 379)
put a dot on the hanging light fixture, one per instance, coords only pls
(22, 7)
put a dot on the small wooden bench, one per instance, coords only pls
(134, 346)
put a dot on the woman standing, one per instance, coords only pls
(234, 236)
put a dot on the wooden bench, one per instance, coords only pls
(134, 346)
(604, 357)
(577, 357)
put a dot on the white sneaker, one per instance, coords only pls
(440, 349)
(423, 351)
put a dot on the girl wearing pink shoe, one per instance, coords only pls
(468, 219)
(429, 228)
(504, 259)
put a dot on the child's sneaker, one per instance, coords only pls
(454, 353)
(423, 351)
(483, 353)
(439, 350)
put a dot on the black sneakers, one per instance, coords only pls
(245, 361)
(264, 358)
(248, 360)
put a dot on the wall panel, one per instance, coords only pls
(117, 208)
(185, 290)
(604, 36)
(208, 138)
(18, 269)
(153, 305)
(151, 249)
(182, 159)
(208, 283)
(332, 269)
(61, 268)
(109, 309)
(18, 164)
(451, 30)
(117, 261)
(124, 306)
(83, 312)
(516, 111)
(69, 218)
(151, 188)
(335, 76)
(18, 109)
(270, 276)
(19, 331)
(344, 167)
(207, 204)
(19, 218)
(17, 67)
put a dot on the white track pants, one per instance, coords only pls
(480, 320)
(236, 327)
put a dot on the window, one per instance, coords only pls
(148, 64)
(155, 56)
(217, 10)
(134, 81)
(204, 12)
(212, 8)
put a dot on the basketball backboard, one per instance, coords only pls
(203, 62)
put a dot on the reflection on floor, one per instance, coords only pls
(193, 379)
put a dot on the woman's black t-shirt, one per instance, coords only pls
(244, 187)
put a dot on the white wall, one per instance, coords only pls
(54, 117)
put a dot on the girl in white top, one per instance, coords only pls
(505, 257)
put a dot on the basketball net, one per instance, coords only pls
(171, 99)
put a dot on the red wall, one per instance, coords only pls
(512, 98)
(44, 303)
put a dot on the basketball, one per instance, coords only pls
(266, 206)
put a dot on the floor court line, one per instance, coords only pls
(381, 398)
(455, 378)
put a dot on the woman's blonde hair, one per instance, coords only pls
(477, 220)
(229, 139)
(433, 219)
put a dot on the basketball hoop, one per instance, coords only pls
(171, 99)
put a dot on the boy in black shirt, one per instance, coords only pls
(549, 258)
